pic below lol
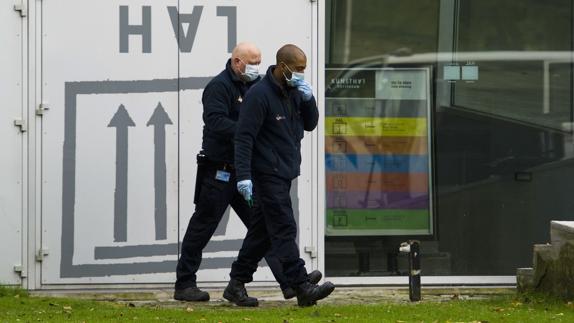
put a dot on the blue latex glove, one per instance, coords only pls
(305, 89)
(245, 188)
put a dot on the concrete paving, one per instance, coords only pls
(272, 297)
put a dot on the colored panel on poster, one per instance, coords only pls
(376, 163)
(376, 145)
(350, 83)
(377, 200)
(381, 219)
(384, 182)
(401, 85)
(369, 108)
(397, 127)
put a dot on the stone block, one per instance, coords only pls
(554, 273)
(561, 231)
(546, 252)
(525, 279)
(553, 264)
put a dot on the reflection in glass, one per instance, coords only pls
(501, 121)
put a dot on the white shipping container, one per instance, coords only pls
(113, 159)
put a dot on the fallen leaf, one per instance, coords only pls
(337, 315)
(246, 319)
(516, 304)
(67, 308)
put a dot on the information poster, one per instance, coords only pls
(377, 152)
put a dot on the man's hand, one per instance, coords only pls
(305, 89)
(245, 188)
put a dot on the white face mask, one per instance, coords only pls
(251, 72)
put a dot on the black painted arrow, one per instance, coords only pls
(121, 121)
(159, 119)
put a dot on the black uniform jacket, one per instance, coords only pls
(222, 98)
(270, 129)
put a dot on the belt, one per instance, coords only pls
(220, 165)
(203, 160)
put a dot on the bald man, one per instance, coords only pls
(215, 187)
(275, 114)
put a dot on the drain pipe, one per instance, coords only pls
(412, 247)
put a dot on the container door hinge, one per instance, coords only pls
(22, 9)
(42, 108)
(42, 253)
(22, 124)
(20, 271)
(312, 251)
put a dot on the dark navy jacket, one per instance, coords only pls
(270, 129)
(222, 98)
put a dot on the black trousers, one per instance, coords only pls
(213, 199)
(273, 229)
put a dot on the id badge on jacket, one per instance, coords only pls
(222, 175)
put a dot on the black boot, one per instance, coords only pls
(235, 293)
(308, 294)
(191, 294)
(313, 277)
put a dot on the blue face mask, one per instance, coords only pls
(296, 77)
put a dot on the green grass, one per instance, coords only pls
(17, 306)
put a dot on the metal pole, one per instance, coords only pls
(414, 272)
(412, 247)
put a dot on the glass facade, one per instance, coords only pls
(449, 122)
